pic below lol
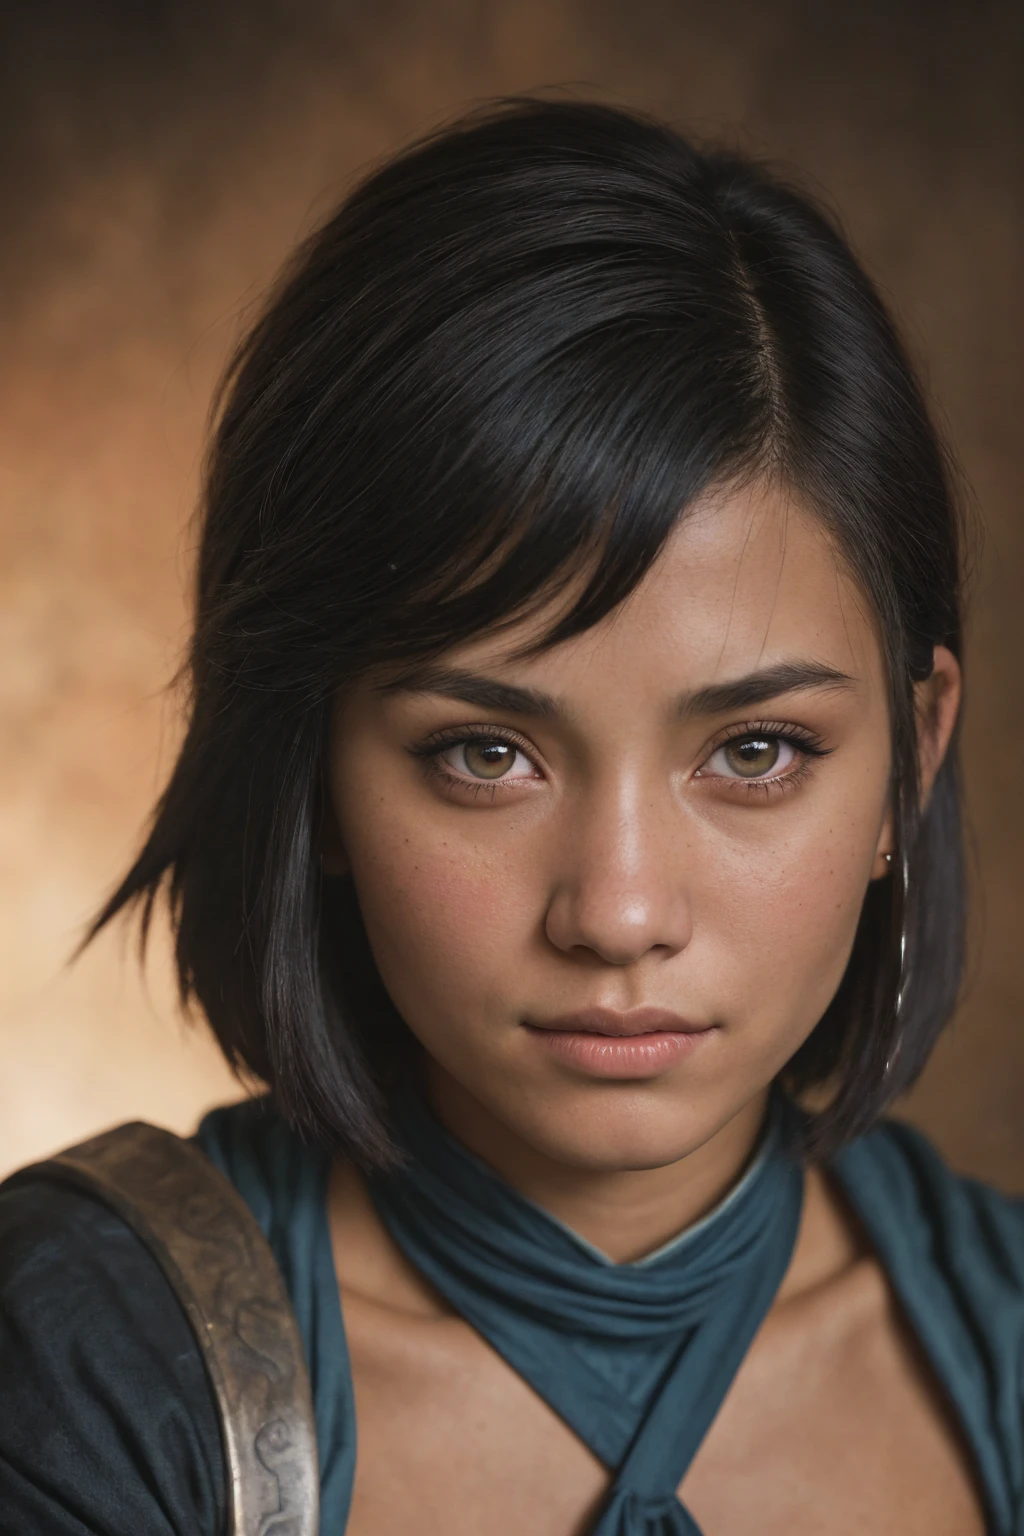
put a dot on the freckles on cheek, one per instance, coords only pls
(435, 903)
(797, 903)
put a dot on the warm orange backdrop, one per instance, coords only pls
(157, 161)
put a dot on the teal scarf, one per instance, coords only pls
(952, 1249)
(636, 1358)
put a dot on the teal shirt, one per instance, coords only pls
(953, 1250)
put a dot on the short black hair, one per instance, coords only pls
(516, 353)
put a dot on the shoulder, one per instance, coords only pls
(953, 1252)
(281, 1178)
(902, 1185)
(107, 1421)
(262, 1155)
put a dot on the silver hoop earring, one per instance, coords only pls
(901, 987)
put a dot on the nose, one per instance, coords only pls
(620, 892)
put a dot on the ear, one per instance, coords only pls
(936, 706)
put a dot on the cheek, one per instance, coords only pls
(449, 915)
(789, 912)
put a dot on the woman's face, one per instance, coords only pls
(611, 889)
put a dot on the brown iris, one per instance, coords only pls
(753, 756)
(488, 759)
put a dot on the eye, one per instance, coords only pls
(488, 759)
(752, 757)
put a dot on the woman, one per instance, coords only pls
(567, 833)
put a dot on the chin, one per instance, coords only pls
(618, 1129)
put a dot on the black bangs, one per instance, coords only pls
(503, 370)
(536, 366)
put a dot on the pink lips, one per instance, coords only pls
(604, 1043)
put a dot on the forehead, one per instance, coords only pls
(749, 577)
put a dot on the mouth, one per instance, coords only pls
(602, 1042)
(623, 1026)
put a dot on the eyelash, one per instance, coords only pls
(805, 743)
(429, 754)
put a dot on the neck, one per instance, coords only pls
(624, 1213)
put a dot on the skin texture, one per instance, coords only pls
(624, 858)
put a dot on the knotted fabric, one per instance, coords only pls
(636, 1358)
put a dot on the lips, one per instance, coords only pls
(638, 1044)
(610, 1022)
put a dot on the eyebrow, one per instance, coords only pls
(768, 683)
(716, 698)
(484, 692)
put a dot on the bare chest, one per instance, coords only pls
(826, 1428)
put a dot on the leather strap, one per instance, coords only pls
(211, 1248)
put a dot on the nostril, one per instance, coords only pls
(618, 932)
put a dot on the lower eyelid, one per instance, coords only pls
(760, 791)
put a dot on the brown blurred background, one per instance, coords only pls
(159, 158)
